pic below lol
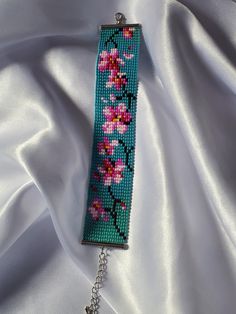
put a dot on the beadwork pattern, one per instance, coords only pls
(112, 166)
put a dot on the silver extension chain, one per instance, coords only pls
(95, 296)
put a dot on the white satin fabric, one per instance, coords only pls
(182, 257)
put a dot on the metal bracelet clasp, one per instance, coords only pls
(120, 18)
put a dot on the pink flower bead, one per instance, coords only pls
(128, 32)
(123, 206)
(116, 79)
(106, 147)
(96, 210)
(110, 60)
(112, 97)
(112, 171)
(116, 118)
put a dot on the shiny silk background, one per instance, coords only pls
(182, 257)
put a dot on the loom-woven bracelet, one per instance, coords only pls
(112, 168)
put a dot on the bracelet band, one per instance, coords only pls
(110, 187)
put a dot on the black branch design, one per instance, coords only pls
(111, 38)
(128, 95)
(113, 213)
(127, 153)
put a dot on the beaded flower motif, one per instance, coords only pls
(105, 147)
(111, 171)
(110, 60)
(97, 210)
(116, 118)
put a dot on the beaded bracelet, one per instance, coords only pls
(110, 187)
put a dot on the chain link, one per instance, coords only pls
(95, 295)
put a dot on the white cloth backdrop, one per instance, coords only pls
(182, 257)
